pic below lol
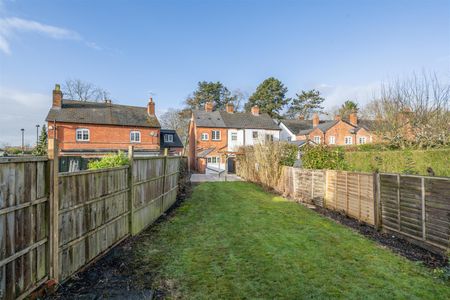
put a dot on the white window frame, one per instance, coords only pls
(83, 131)
(348, 138)
(254, 132)
(168, 138)
(133, 135)
(269, 137)
(289, 138)
(234, 136)
(215, 135)
(317, 139)
(332, 140)
(363, 139)
(204, 136)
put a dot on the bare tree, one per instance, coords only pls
(177, 120)
(413, 111)
(76, 89)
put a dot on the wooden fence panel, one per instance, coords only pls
(437, 211)
(351, 193)
(24, 203)
(148, 185)
(417, 207)
(171, 181)
(93, 215)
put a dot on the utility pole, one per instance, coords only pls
(37, 135)
(23, 147)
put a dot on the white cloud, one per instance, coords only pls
(10, 27)
(21, 109)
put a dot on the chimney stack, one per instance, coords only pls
(255, 110)
(229, 108)
(57, 97)
(301, 117)
(353, 118)
(209, 106)
(316, 120)
(337, 117)
(151, 107)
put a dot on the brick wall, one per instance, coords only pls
(104, 137)
(339, 131)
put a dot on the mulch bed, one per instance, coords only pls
(396, 244)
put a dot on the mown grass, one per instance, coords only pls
(401, 161)
(233, 240)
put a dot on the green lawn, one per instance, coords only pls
(233, 240)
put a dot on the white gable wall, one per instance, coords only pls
(245, 137)
(286, 133)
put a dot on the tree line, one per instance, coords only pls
(413, 111)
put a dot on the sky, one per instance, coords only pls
(135, 49)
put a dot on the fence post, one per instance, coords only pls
(398, 202)
(54, 210)
(346, 190)
(377, 212)
(131, 189)
(359, 197)
(423, 210)
(164, 180)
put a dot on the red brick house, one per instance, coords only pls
(97, 128)
(216, 135)
(329, 132)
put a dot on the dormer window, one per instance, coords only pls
(168, 138)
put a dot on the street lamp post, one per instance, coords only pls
(23, 146)
(37, 134)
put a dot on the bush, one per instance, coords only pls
(109, 161)
(262, 163)
(323, 157)
(400, 161)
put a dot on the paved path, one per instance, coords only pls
(214, 177)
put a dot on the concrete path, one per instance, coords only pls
(214, 177)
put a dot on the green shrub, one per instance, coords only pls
(109, 161)
(401, 161)
(323, 157)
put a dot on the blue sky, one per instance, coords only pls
(131, 48)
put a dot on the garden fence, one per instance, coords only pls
(53, 224)
(415, 207)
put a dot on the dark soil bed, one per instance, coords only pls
(396, 244)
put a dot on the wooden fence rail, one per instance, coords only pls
(52, 224)
(415, 207)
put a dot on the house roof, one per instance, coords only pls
(222, 119)
(85, 112)
(302, 127)
(302, 143)
(176, 139)
(205, 152)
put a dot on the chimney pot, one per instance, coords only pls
(301, 117)
(57, 97)
(255, 110)
(151, 107)
(316, 120)
(229, 108)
